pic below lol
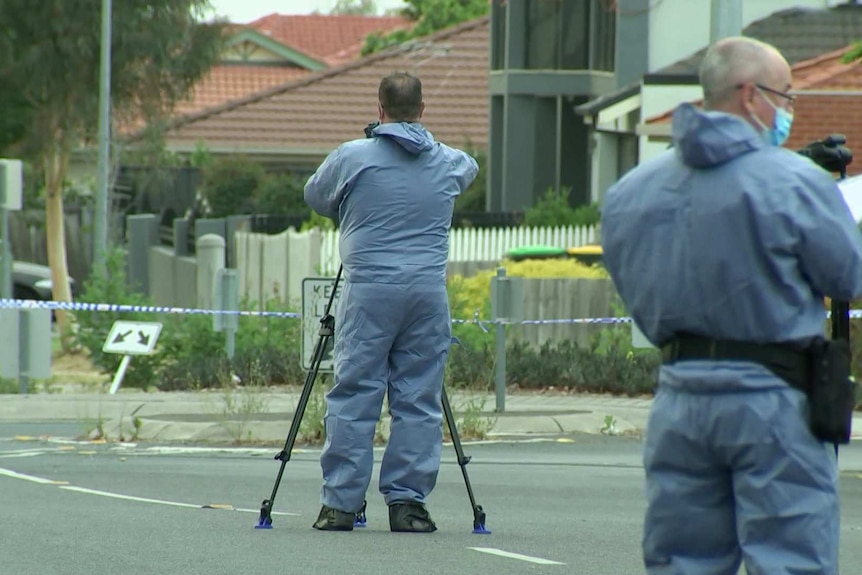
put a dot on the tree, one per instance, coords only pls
(354, 8)
(49, 70)
(429, 16)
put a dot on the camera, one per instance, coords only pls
(829, 153)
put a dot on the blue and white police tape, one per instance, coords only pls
(126, 308)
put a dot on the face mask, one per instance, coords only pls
(780, 131)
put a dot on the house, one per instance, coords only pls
(296, 124)
(277, 48)
(828, 101)
(554, 91)
(267, 52)
(620, 135)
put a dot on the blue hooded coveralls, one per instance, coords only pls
(726, 237)
(393, 196)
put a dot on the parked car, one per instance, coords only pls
(33, 281)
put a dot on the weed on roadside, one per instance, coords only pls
(470, 420)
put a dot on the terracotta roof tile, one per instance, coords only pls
(335, 39)
(227, 83)
(324, 109)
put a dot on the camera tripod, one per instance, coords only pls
(326, 333)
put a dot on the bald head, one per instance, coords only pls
(732, 62)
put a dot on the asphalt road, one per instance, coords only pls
(561, 507)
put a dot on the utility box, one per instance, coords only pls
(12, 184)
(25, 343)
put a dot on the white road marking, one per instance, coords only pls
(21, 454)
(158, 501)
(65, 485)
(127, 497)
(501, 553)
(32, 478)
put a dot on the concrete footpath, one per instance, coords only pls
(265, 416)
(217, 416)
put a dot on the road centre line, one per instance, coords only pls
(510, 555)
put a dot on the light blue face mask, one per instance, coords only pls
(780, 130)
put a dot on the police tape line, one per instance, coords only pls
(126, 308)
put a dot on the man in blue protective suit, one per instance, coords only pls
(393, 195)
(722, 249)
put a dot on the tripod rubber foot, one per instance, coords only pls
(265, 519)
(479, 522)
(360, 520)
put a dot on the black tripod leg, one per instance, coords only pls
(840, 327)
(327, 330)
(478, 512)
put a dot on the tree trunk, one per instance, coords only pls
(56, 161)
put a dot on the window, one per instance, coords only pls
(603, 40)
(498, 36)
(556, 35)
(570, 35)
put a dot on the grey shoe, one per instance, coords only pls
(334, 520)
(410, 517)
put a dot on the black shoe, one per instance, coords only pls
(410, 517)
(334, 520)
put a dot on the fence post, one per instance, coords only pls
(143, 230)
(181, 237)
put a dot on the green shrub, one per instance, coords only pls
(189, 353)
(553, 210)
(230, 186)
(92, 327)
(281, 194)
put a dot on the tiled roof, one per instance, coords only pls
(318, 112)
(825, 72)
(798, 33)
(335, 39)
(816, 115)
(227, 83)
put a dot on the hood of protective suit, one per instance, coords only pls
(705, 139)
(412, 136)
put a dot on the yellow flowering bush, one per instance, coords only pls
(474, 293)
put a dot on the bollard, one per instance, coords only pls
(500, 361)
(507, 306)
(226, 289)
(210, 250)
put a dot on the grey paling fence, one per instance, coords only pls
(29, 241)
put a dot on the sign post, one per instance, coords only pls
(315, 295)
(130, 338)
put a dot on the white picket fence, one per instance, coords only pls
(481, 244)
